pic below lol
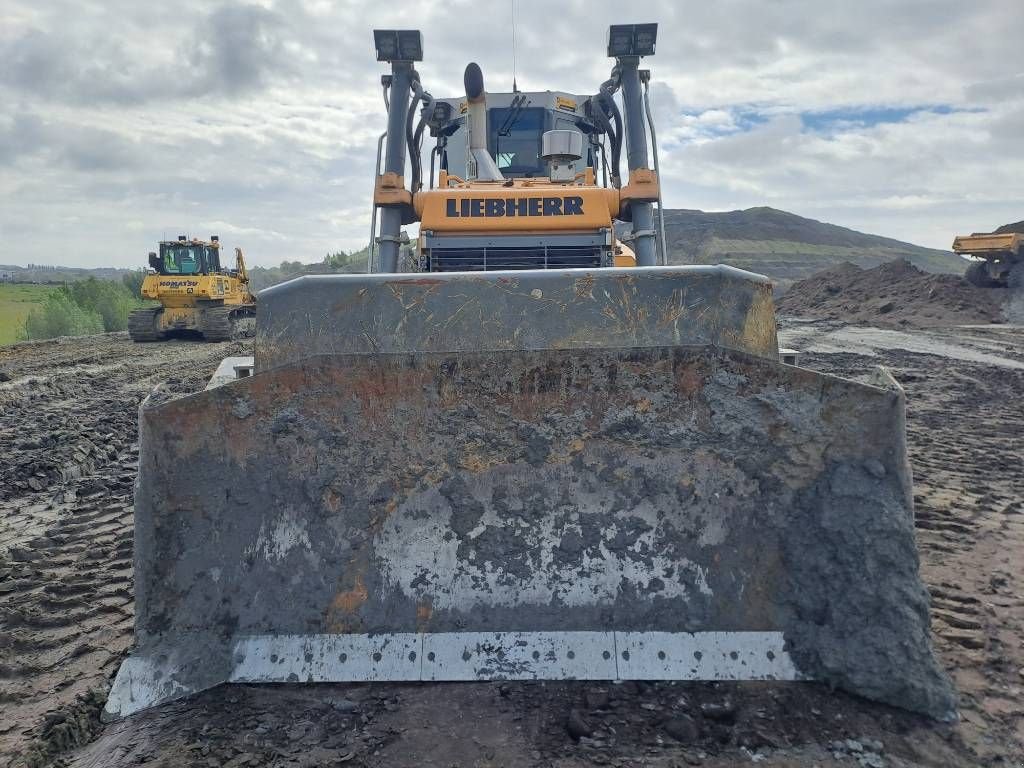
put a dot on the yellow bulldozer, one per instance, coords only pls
(196, 294)
(538, 452)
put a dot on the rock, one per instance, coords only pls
(852, 745)
(872, 745)
(683, 729)
(577, 725)
(871, 760)
(596, 699)
(721, 711)
(755, 738)
(628, 688)
(35, 484)
(343, 705)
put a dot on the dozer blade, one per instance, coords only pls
(564, 475)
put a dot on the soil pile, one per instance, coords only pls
(893, 294)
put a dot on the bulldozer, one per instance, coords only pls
(534, 452)
(996, 258)
(196, 294)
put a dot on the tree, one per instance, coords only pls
(112, 301)
(133, 281)
(60, 315)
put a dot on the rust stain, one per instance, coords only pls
(331, 499)
(473, 462)
(350, 600)
(583, 287)
(341, 613)
(424, 611)
(572, 449)
(689, 381)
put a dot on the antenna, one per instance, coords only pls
(515, 88)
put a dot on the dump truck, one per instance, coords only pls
(196, 295)
(995, 257)
(521, 459)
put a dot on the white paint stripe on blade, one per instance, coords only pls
(148, 679)
(514, 656)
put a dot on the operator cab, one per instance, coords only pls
(516, 123)
(187, 257)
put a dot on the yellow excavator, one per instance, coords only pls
(196, 294)
(531, 449)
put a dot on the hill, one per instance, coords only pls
(786, 247)
(41, 273)
(1009, 228)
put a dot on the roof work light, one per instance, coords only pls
(632, 39)
(398, 44)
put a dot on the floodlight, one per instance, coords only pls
(632, 39)
(620, 40)
(398, 44)
(410, 45)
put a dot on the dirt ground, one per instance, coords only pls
(67, 463)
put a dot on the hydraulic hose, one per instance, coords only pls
(606, 104)
(414, 164)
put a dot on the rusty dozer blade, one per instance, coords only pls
(539, 475)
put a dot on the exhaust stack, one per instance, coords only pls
(480, 165)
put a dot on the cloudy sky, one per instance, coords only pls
(124, 122)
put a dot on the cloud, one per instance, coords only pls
(259, 119)
(233, 50)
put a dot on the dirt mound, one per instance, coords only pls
(893, 294)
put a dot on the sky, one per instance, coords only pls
(123, 123)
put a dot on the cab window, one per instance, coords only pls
(515, 140)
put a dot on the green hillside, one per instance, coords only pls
(784, 246)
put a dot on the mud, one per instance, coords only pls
(75, 536)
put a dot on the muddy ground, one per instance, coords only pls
(67, 462)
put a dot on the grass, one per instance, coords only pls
(16, 301)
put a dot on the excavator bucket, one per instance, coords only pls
(584, 474)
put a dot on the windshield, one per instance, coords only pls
(182, 259)
(515, 140)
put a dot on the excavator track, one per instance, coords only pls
(227, 323)
(142, 325)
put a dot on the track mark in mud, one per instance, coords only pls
(68, 457)
(66, 550)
